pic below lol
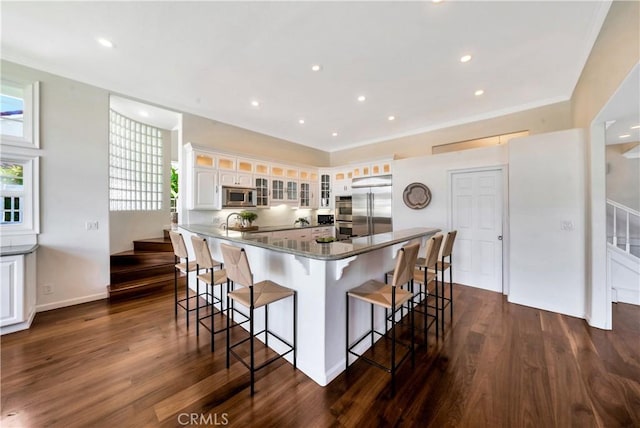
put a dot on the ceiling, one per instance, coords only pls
(214, 58)
(621, 114)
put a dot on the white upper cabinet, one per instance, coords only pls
(235, 171)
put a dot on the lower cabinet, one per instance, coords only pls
(17, 292)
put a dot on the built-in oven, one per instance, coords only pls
(238, 197)
(343, 208)
(344, 230)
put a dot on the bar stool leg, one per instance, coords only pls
(251, 348)
(187, 291)
(295, 328)
(372, 324)
(175, 292)
(266, 325)
(197, 300)
(346, 335)
(228, 326)
(451, 288)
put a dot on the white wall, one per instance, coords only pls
(547, 190)
(74, 184)
(433, 171)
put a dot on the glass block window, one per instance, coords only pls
(135, 165)
(12, 185)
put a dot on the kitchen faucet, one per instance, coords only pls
(226, 223)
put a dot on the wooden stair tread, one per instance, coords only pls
(142, 282)
(159, 240)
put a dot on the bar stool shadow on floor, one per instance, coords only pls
(391, 297)
(442, 266)
(211, 277)
(253, 296)
(426, 272)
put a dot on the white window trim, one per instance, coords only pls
(31, 117)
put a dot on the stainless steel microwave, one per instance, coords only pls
(238, 197)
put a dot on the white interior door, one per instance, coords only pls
(477, 212)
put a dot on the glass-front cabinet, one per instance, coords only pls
(325, 190)
(262, 191)
(277, 191)
(292, 191)
(305, 194)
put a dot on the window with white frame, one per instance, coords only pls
(135, 165)
(18, 192)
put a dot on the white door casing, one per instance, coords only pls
(477, 213)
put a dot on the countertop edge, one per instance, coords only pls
(419, 232)
(16, 250)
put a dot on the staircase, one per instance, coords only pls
(148, 268)
(623, 253)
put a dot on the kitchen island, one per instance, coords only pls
(321, 274)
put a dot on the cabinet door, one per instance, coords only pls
(12, 290)
(226, 163)
(227, 178)
(205, 160)
(292, 191)
(325, 191)
(205, 192)
(244, 180)
(277, 191)
(305, 194)
(262, 191)
(381, 168)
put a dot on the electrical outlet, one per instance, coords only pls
(566, 225)
(47, 288)
(91, 225)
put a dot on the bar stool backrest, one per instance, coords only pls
(433, 248)
(201, 250)
(405, 261)
(447, 247)
(179, 248)
(237, 265)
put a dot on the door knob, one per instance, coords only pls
(499, 237)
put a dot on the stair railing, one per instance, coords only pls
(628, 214)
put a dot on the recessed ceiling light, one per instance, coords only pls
(391, 118)
(361, 98)
(335, 134)
(436, 1)
(625, 136)
(635, 127)
(105, 42)
(316, 67)
(478, 92)
(465, 58)
(301, 121)
(144, 113)
(255, 103)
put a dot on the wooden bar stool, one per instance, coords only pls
(180, 252)
(391, 297)
(211, 277)
(442, 266)
(426, 272)
(252, 296)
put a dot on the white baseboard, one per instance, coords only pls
(71, 302)
(18, 327)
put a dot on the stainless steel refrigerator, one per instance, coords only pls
(371, 205)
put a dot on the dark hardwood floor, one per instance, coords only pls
(130, 364)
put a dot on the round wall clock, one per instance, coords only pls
(416, 196)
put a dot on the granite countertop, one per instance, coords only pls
(310, 248)
(16, 250)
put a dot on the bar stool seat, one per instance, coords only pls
(267, 292)
(380, 294)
